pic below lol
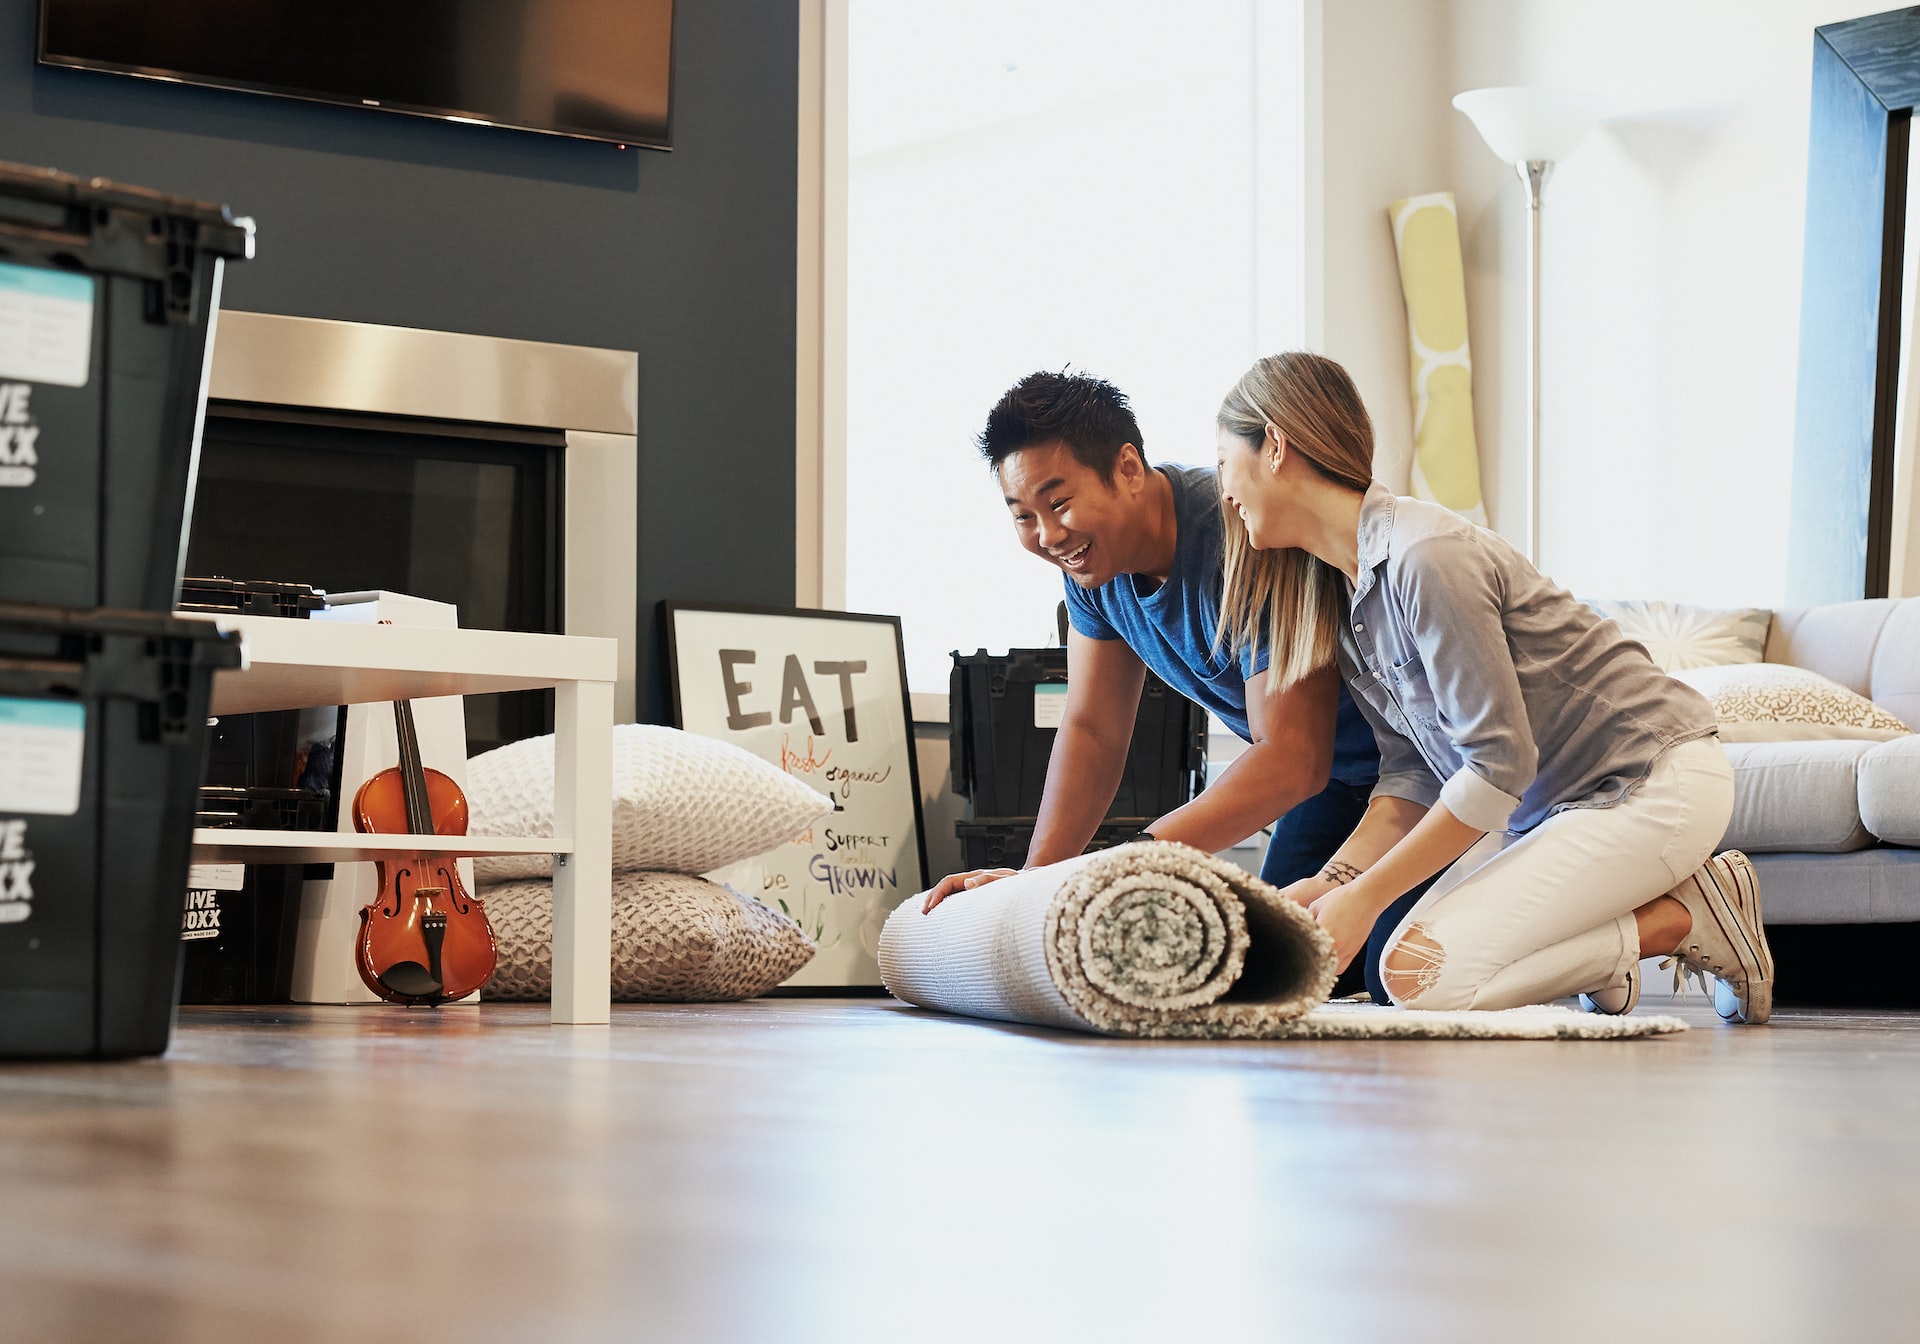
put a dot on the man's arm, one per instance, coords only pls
(1289, 762)
(1104, 680)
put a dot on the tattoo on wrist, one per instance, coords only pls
(1340, 873)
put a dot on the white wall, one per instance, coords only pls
(1383, 71)
(1671, 267)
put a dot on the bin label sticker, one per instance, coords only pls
(19, 436)
(1049, 705)
(43, 745)
(46, 325)
(201, 919)
(217, 877)
(16, 873)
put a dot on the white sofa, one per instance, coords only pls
(1833, 825)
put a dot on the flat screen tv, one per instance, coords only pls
(596, 69)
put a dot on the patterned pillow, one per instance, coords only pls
(1774, 702)
(682, 803)
(676, 939)
(1678, 636)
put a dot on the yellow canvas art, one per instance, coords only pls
(1446, 460)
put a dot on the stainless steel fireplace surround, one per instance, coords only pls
(589, 395)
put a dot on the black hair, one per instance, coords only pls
(1090, 415)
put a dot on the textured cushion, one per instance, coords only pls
(1678, 636)
(1771, 702)
(1890, 791)
(676, 939)
(1797, 796)
(681, 803)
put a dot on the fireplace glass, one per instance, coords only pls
(460, 513)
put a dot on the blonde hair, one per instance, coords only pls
(1314, 404)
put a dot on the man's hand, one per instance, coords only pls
(1347, 915)
(967, 881)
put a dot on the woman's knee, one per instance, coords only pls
(1413, 970)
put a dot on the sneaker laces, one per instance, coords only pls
(1681, 969)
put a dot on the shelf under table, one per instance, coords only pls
(218, 845)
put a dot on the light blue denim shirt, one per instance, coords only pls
(1490, 688)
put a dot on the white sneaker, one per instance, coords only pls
(1615, 1002)
(1728, 941)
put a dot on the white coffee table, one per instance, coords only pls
(292, 664)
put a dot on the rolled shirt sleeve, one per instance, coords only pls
(1451, 603)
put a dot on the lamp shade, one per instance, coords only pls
(1522, 125)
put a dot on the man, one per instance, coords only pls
(1140, 551)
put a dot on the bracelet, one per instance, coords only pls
(1340, 873)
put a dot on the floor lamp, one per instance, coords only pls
(1532, 129)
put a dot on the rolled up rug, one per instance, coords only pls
(1147, 939)
(1156, 939)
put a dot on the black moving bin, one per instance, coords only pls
(100, 416)
(1004, 843)
(1001, 718)
(250, 597)
(237, 936)
(253, 751)
(103, 720)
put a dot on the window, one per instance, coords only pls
(1074, 183)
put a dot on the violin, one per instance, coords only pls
(425, 941)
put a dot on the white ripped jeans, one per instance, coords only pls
(1529, 918)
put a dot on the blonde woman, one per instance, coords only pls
(1571, 791)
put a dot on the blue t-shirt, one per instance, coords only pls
(1171, 628)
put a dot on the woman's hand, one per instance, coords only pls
(1309, 889)
(967, 881)
(1347, 916)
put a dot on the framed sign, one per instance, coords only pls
(822, 695)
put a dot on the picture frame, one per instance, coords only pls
(823, 696)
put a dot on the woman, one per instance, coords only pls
(1571, 790)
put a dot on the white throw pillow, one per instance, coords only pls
(1677, 636)
(1775, 702)
(682, 803)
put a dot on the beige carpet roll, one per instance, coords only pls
(1149, 939)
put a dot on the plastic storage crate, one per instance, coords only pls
(1004, 843)
(1004, 710)
(103, 721)
(253, 751)
(250, 597)
(237, 936)
(110, 294)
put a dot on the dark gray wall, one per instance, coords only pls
(686, 257)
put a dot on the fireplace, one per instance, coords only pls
(498, 475)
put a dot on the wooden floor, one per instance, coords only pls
(856, 1170)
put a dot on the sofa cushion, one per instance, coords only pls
(1676, 635)
(1890, 791)
(1771, 702)
(1802, 796)
(1895, 684)
(1837, 639)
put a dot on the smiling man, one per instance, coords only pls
(1139, 548)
